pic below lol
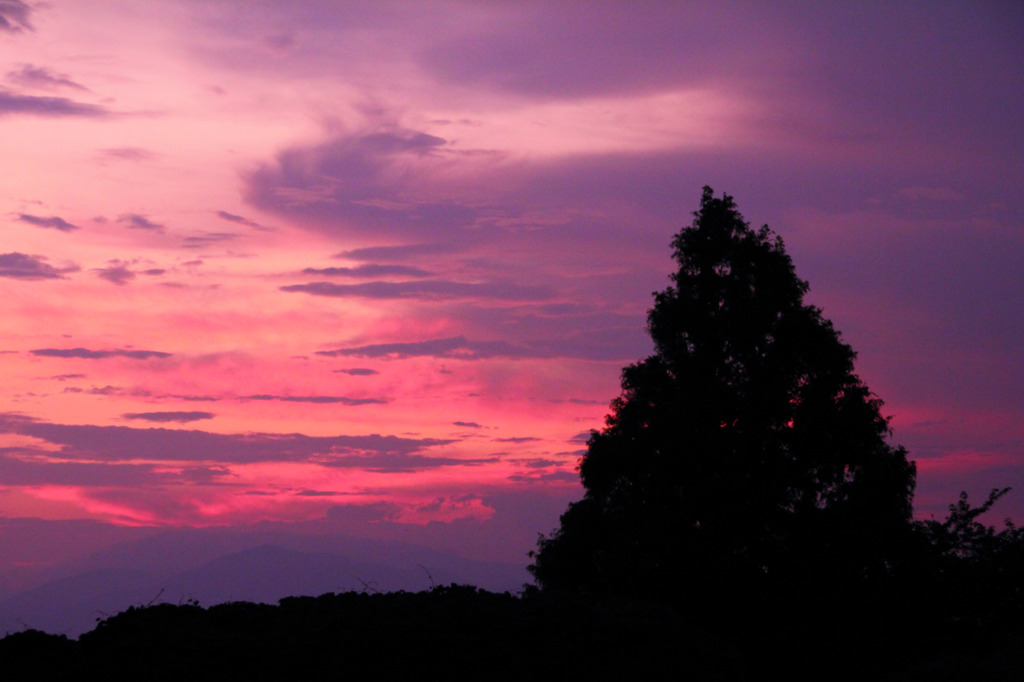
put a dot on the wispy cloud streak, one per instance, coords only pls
(451, 347)
(241, 220)
(12, 104)
(41, 77)
(427, 290)
(53, 222)
(373, 452)
(369, 271)
(137, 221)
(317, 399)
(15, 16)
(87, 354)
(180, 417)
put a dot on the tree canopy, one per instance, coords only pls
(745, 448)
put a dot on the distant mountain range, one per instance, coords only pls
(212, 566)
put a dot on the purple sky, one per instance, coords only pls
(378, 265)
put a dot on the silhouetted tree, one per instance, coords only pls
(961, 537)
(978, 570)
(745, 451)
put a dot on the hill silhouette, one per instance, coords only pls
(218, 565)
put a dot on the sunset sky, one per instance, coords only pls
(381, 263)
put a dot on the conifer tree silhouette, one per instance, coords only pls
(744, 450)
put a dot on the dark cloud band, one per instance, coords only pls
(15, 16)
(369, 271)
(23, 266)
(452, 347)
(138, 221)
(317, 399)
(30, 105)
(110, 444)
(87, 354)
(429, 290)
(180, 417)
(52, 222)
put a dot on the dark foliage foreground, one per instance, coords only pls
(459, 632)
(456, 632)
